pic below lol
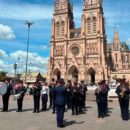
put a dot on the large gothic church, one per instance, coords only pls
(83, 53)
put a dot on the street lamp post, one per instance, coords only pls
(29, 25)
(15, 68)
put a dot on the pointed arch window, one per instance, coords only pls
(123, 58)
(58, 29)
(62, 28)
(89, 25)
(94, 25)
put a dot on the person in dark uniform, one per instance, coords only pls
(51, 94)
(51, 87)
(75, 98)
(6, 96)
(60, 100)
(106, 90)
(84, 89)
(68, 95)
(100, 93)
(123, 92)
(36, 96)
(20, 90)
(98, 100)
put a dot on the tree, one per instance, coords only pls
(2, 76)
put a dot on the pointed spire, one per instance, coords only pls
(116, 39)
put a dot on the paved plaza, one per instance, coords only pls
(27, 120)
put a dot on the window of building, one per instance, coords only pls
(94, 25)
(58, 29)
(123, 58)
(123, 76)
(115, 76)
(127, 58)
(123, 66)
(89, 25)
(116, 57)
(62, 28)
(129, 66)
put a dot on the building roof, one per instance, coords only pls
(124, 46)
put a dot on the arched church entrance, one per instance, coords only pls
(57, 74)
(73, 73)
(92, 74)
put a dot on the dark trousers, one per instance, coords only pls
(80, 105)
(100, 109)
(54, 107)
(51, 100)
(84, 100)
(74, 109)
(20, 104)
(106, 106)
(124, 106)
(36, 103)
(68, 102)
(44, 101)
(60, 114)
(5, 99)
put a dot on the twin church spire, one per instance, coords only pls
(92, 23)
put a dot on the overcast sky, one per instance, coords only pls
(13, 31)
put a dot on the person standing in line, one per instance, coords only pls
(44, 96)
(98, 100)
(101, 93)
(60, 101)
(105, 90)
(20, 90)
(123, 92)
(68, 98)
(50, 95)
(75, 98)
(6, 96)
(36, 96)
(84, 88)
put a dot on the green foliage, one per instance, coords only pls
(2, 76)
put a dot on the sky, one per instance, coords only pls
(13, 30)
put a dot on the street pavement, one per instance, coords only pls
(88, 120)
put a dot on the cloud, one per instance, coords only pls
(44, 47)
(3, 53)
(36, 63)
(128, 42)
(6, 33)
(1, 63)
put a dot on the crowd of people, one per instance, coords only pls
(70, 95)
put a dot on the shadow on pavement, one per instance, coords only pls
(110, 110)
(10, 110)
(25, 110)
(68, 123)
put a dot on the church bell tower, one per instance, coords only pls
(62, 22)
(93, 30)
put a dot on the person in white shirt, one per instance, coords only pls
(44, 96)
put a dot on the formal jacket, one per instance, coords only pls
(123, 95)
(60, 96)
(37, 91)
(21, 90)
(9, 89)
(75, 95)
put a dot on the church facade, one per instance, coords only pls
(83, 53)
